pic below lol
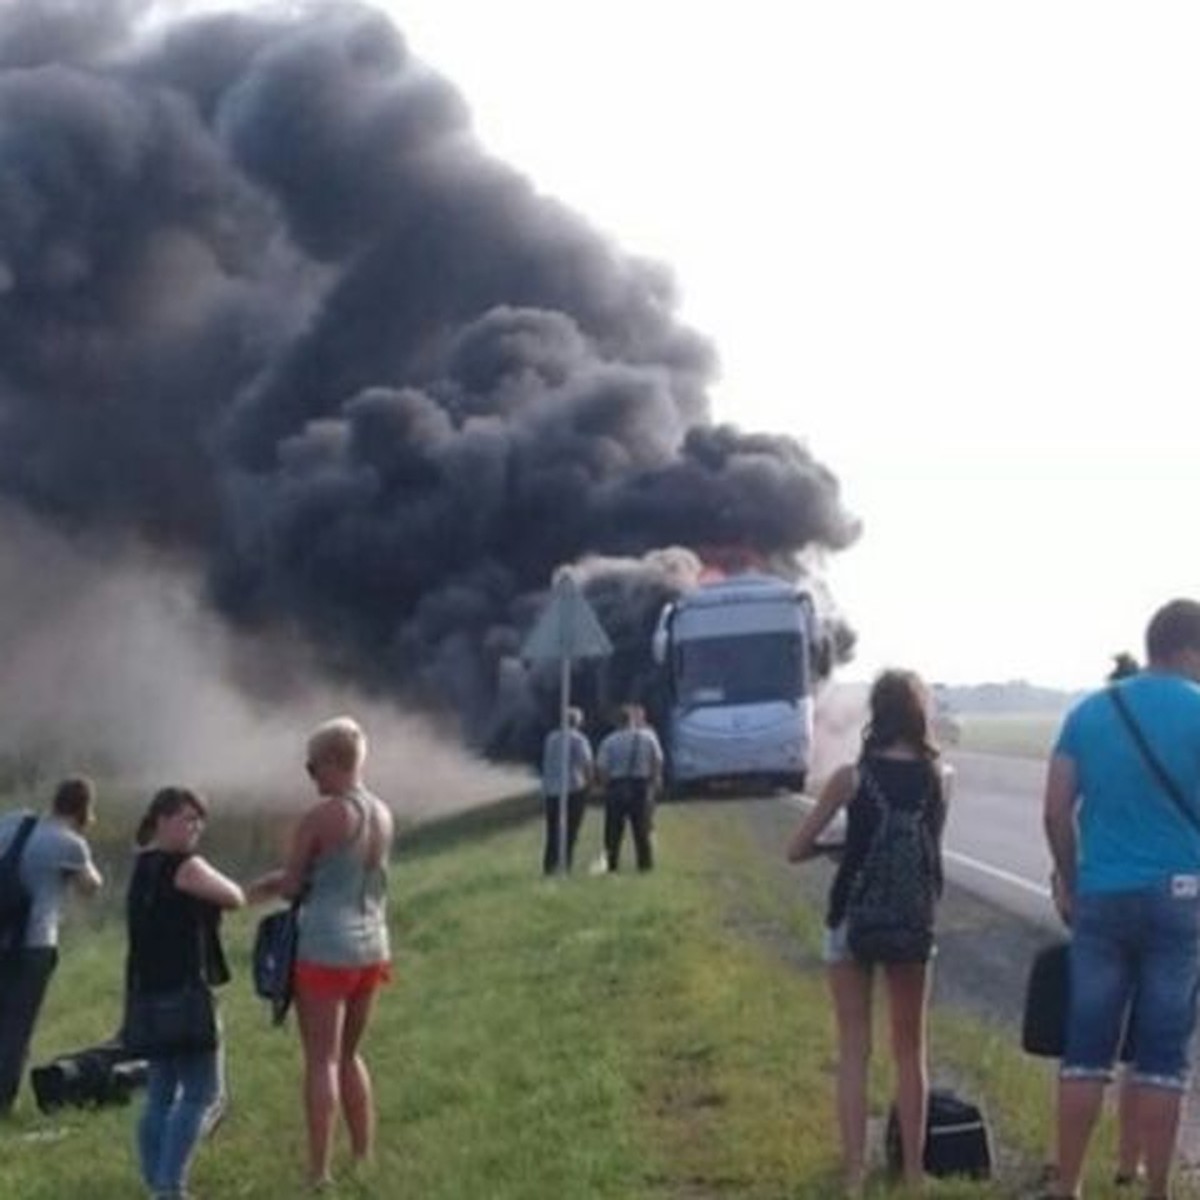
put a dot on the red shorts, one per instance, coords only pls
(340, 983)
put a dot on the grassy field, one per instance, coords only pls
(1018, 735)
(663, 1037)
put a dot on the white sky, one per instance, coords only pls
(955, 246)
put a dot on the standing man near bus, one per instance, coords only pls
(55, 856)
(629, 764)
(579, 780)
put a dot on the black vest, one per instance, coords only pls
(174, 938)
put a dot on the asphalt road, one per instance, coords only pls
(998, 909)
(994, 845)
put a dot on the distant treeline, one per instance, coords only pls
(1016, 696)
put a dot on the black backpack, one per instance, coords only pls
(890, 907)
(14, 898)
(957, 1138)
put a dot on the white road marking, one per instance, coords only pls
(1017, 881)
(964, 860)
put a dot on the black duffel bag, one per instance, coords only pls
(957, 1138)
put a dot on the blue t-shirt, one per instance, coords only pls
(1131, 833)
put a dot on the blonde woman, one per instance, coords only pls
(337, 864)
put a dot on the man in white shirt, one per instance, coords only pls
(579, 779)
(629, 763)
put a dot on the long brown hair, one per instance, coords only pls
(899, 713)
(166, 803)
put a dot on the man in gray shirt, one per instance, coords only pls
(579, 779)
(55, 856)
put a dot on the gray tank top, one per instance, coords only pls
(343, 920)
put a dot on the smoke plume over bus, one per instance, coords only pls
(267, 306)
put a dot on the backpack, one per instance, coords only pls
(15, 900)
(274, 959)
(889, 910)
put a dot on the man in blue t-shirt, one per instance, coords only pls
(1125, 838)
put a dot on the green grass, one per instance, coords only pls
(645, 1038)
(1017, 735)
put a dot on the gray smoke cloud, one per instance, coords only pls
(266, 303)
(113, 667)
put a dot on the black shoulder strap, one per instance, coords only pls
(12, 855)
(1159, 772)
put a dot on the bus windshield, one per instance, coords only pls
(747, 668)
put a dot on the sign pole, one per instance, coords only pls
(564, 727)
(567, 629)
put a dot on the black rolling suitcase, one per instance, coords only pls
(957, 1139)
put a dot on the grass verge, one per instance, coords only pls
(663, 1037)
(1016, 735)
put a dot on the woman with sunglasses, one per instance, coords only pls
(338, 865)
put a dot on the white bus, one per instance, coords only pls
(737, 660)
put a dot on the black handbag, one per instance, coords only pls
(958, 1138)
(1044, 1024)
(180, 1021)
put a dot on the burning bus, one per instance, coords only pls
(737, 662)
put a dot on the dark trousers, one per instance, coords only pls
(628, 800)
(576, 806)
(23, 979)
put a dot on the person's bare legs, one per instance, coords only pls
(320, 1019)
(1129, 1134)
(1079, 1102)
(1158, 1110)
(358, 1105)
(850, 987)
(908, 995)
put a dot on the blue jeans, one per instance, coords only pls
(180, 1091)
(1144, 942)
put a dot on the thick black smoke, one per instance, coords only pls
(264, 299)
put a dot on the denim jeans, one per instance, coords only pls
(180, 1091)
(1144, 942)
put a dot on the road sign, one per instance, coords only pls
(568, 628)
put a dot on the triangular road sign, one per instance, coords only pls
(567, 628)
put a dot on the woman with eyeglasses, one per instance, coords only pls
(173, 909)
(338, 865)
